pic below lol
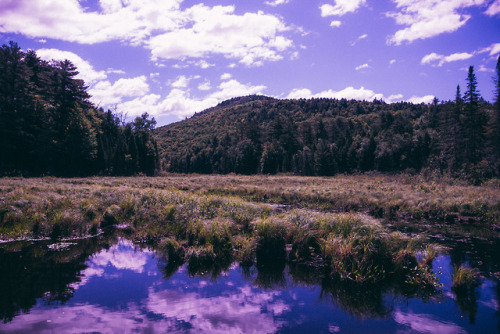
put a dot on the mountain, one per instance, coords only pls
(258, 134)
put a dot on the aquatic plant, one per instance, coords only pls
(464, 277)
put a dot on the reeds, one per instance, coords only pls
(464, 278)
(213, 220)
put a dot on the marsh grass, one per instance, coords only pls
(334, 226)
(464, 278)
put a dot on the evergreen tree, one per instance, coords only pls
(474, 121)
(495, 124)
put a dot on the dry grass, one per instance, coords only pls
(335, 224)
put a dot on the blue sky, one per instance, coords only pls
(172, 58)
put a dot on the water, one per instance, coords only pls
(110, 285)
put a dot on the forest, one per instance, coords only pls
(324, 137)
(49, 127)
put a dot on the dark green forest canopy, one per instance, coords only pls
(258, 134)
(49, 127)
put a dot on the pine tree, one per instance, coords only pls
(474, 121)
(495, 126)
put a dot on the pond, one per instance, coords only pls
(108, 284)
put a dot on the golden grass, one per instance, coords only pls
(336, 223)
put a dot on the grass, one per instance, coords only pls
(464, 278)
(340, 227)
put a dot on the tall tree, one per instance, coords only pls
(474, 121)
(495, 124)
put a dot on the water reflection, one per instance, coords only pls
(108, 284)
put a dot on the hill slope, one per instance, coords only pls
(258, 134)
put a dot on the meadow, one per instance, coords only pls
(362, 228)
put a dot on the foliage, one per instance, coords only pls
(48, 125)
(258, 134)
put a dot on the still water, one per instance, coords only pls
(109, 285)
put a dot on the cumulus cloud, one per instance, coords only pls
(427, 99)
(226, 76)
(425, 19)
(252, 38)
(181, 82)
(494, 8)
(106, 94)
(180, 103)
(86, 71)
(361, 94)
(438, 59)
(341, 7)
(335, 24)
(204, 86)
(132, 21)
(349, 93)
(167, 30)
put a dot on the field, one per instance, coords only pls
(365, 228)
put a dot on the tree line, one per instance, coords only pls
(257, 134)
(48, 126)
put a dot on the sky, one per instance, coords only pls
(172, 58)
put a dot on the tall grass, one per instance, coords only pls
(333, 225)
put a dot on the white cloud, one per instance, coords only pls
(204, 86)
(226, 76)
(361, 94)
(133, 20)
(203, 64)
(181, 82)
(233, 88)
(341, 7)
(113, 71)
(335, 24)
(421, 99)
(425, 19)
(349, 93)
(362, 67)
(275, 3)
(494, 8)
(493, 49)
(392, 61)
(359, 38)
(87, 72)
(483, 68)
(395, 98)
(106, 94)
(438, 59)
(252, 38)
(162, 26)
(180, 103)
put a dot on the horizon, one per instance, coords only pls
(179, 57)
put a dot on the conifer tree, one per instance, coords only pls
(474, 121)
(495, 128)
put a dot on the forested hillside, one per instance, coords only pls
(49, 127)
(258, 134)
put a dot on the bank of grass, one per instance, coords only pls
(333, 225)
